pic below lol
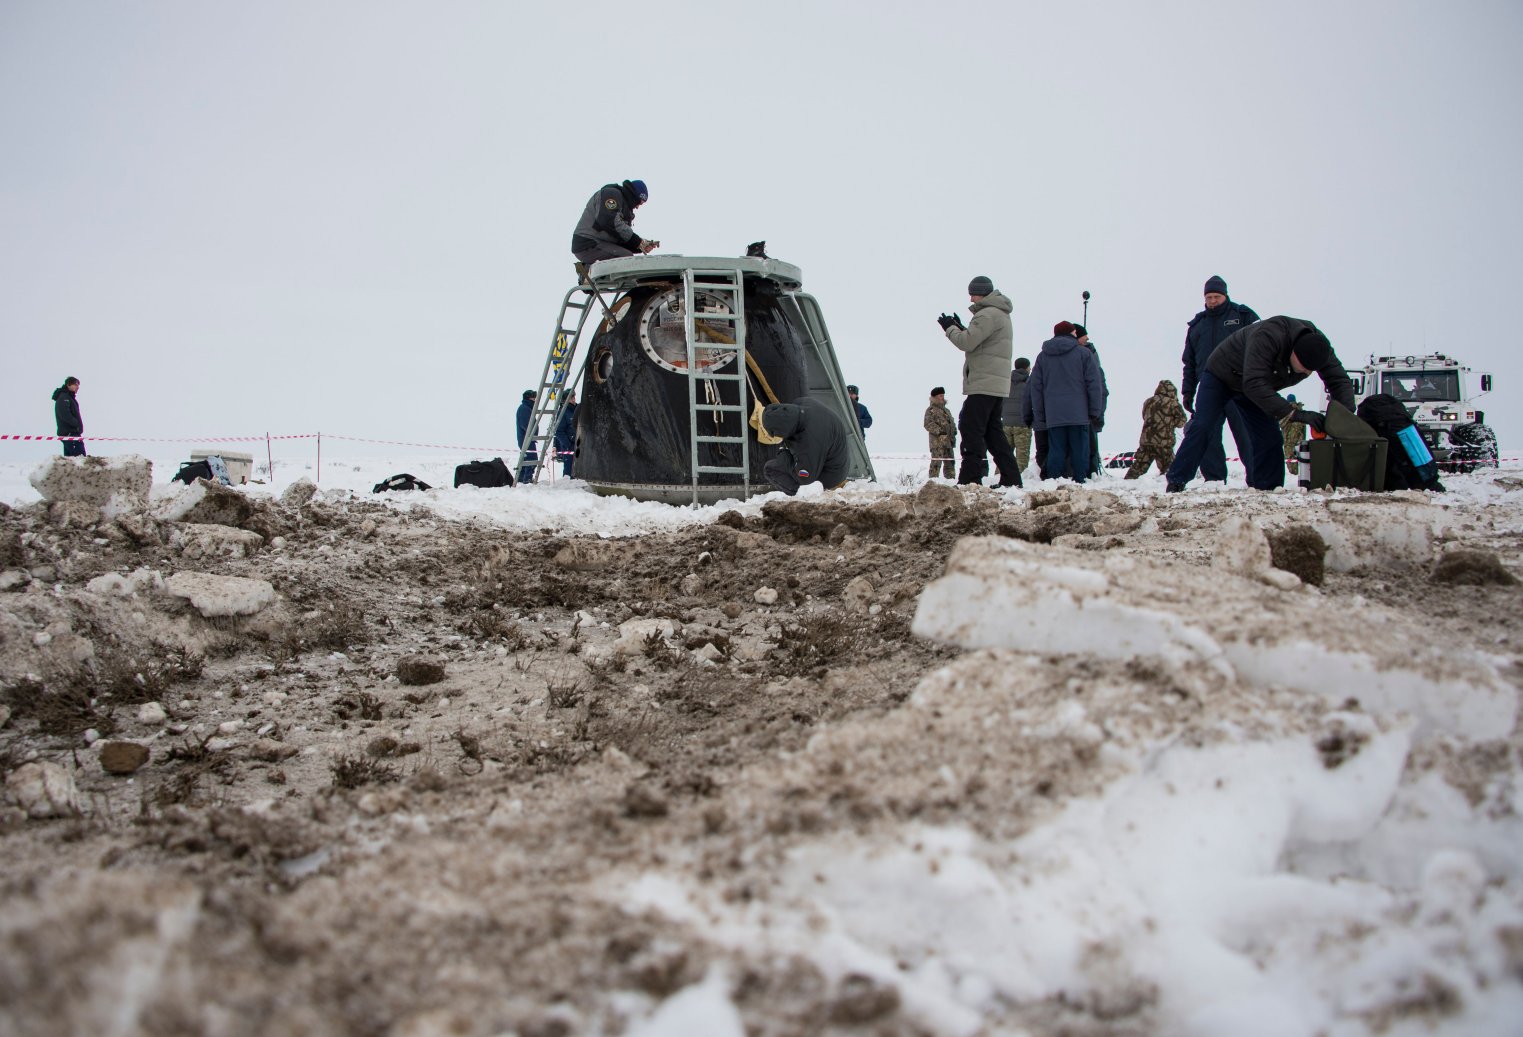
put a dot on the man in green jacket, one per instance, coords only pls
(987, 341)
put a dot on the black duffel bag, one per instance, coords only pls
(485, 474)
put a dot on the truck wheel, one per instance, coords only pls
(1475, 446)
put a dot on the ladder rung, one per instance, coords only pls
(721, 439)
(705, 469)
(728, 408)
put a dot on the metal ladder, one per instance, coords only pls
(728, 287)
(554, 380)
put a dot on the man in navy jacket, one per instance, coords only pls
(1207, 330)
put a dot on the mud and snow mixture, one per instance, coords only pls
(903, 759)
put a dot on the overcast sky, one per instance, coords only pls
(354, 217)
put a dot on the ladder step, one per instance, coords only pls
(716, 470)
(723, 408)
(721, 439)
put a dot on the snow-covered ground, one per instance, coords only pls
(1268, 817)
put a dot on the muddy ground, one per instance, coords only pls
(401, 799)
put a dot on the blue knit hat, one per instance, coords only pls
(638, 187)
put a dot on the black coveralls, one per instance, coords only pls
(813, 447)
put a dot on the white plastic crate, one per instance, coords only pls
(239, 466)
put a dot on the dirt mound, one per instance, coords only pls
(408, 794)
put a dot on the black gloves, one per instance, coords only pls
(1189, 405)
(948, 320)
(1097, 423)
(1310, 418)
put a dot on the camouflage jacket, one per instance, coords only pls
(1161, 415)
(939, 423)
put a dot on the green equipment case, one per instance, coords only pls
(1351, 457)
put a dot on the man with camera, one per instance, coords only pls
(988, 342)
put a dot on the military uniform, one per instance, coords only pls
(943, 431)
(1161, 415)
(1295, 435)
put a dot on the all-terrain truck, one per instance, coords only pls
(1439, 393)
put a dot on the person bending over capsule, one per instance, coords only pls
(812, 445)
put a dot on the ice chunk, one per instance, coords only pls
(221, 595)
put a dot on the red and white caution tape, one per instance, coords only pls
(156, 439)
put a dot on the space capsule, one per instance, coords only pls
(682, 352)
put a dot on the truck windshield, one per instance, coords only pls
(1422, 386)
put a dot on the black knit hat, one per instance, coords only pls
(940, 390)
(1080, 331)
(980, 285)
(1214, 283)
(1022, 364)
(530, 394)
(1312, 348)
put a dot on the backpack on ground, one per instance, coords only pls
(400, 482)
(485, 474)
(1351, 456)
(190, 471)
(1409, 462)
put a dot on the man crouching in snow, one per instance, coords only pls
(813, 445)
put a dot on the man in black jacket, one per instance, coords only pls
(1248, 371)
(813, 445)
(66, 415)
(1207, 330)
(604, 230)
(1017, 428)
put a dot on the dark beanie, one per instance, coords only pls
(940, 390)
(1312, 348)
(1214, 283)
(1062, 327)
(980, 285)
(530, 394)
(1021, 363)
(1080, 331)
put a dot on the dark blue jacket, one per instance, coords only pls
(1208, 330)
(1065, 388)
(864, 417)
(565, 430)
(525, 412)
(66, 413)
